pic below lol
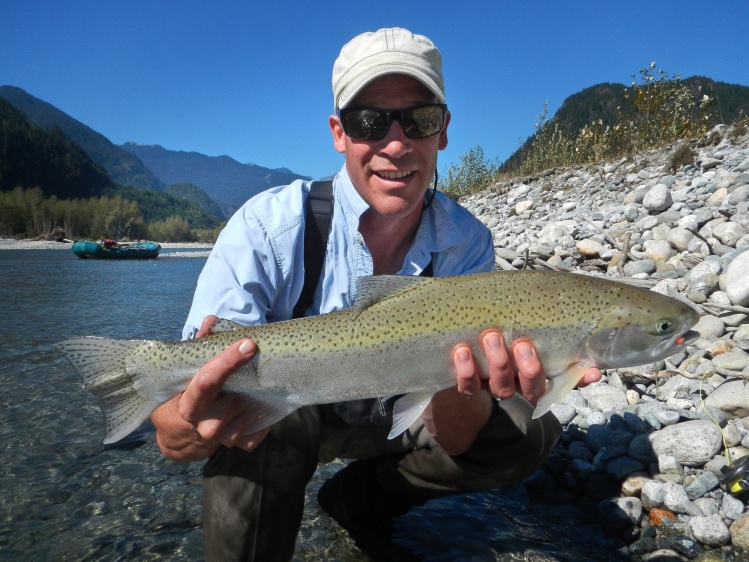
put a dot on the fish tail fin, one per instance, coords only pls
(102, 365)
(559, 387)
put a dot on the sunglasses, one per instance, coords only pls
(372, 124)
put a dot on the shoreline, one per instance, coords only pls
(13, 244)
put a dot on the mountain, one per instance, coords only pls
(122, 166)
(225, 180)
(602, 100)
(47, 159)
(196, 194)
(31, 156)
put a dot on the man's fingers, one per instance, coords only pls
(531, 376)
(501, 372)
(206, 326)
(465, 371)
(592, 375)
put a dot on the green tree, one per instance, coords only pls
(173, 229)
(474, 172)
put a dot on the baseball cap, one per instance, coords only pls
(386, 51)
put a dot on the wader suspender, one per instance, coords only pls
(318, 214)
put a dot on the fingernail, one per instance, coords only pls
(525, 351)
(245, 348)
(469, 390)
(491, 340)
(462, 355)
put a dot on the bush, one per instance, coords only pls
(173, 229)
(473, 173)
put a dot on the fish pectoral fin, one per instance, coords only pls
(222, 325)
(407, 410)
(558, 387)
(264, 412)
(375, 288)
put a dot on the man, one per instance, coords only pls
(390, 123)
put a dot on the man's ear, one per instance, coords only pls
(339, 137)
(443, 135)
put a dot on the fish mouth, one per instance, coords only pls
(621, 349)
(676, 344)
(689, 337)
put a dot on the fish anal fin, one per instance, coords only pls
(560, 386)
(264, 412)
(407, 410)
(375, 288)
(123, 415)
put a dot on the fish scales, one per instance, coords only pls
(397, 339)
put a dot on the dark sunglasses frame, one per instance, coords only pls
(403, 116)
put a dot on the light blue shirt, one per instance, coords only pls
(255, 272)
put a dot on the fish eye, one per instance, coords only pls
(663, 326)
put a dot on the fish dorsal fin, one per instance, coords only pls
(375, 288)
(222, 325)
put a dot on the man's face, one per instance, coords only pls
(391, 174)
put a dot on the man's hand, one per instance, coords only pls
(193, 424)
(456, 415)
(519, 371)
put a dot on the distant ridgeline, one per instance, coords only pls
(46, 158)
(226, 181)
(122, 167)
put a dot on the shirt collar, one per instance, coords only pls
(351, 202)
(436, 233)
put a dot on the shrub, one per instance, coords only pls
(473, 173)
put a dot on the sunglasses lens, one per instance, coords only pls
(365, 124)
(371, 124)
(422, 122)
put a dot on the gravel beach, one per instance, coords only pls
(644, 450)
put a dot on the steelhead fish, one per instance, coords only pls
(397, 339)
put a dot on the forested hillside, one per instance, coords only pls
(195, 194)
(123, 167)
(32, 156)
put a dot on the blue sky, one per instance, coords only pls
(252, 79)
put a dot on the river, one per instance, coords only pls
(65, 496)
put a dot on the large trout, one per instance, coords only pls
(397, 339)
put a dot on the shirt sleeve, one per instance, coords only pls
(238, 279)
(252, 275)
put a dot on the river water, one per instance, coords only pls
(65, 496)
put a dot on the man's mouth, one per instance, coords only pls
(393, 175)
